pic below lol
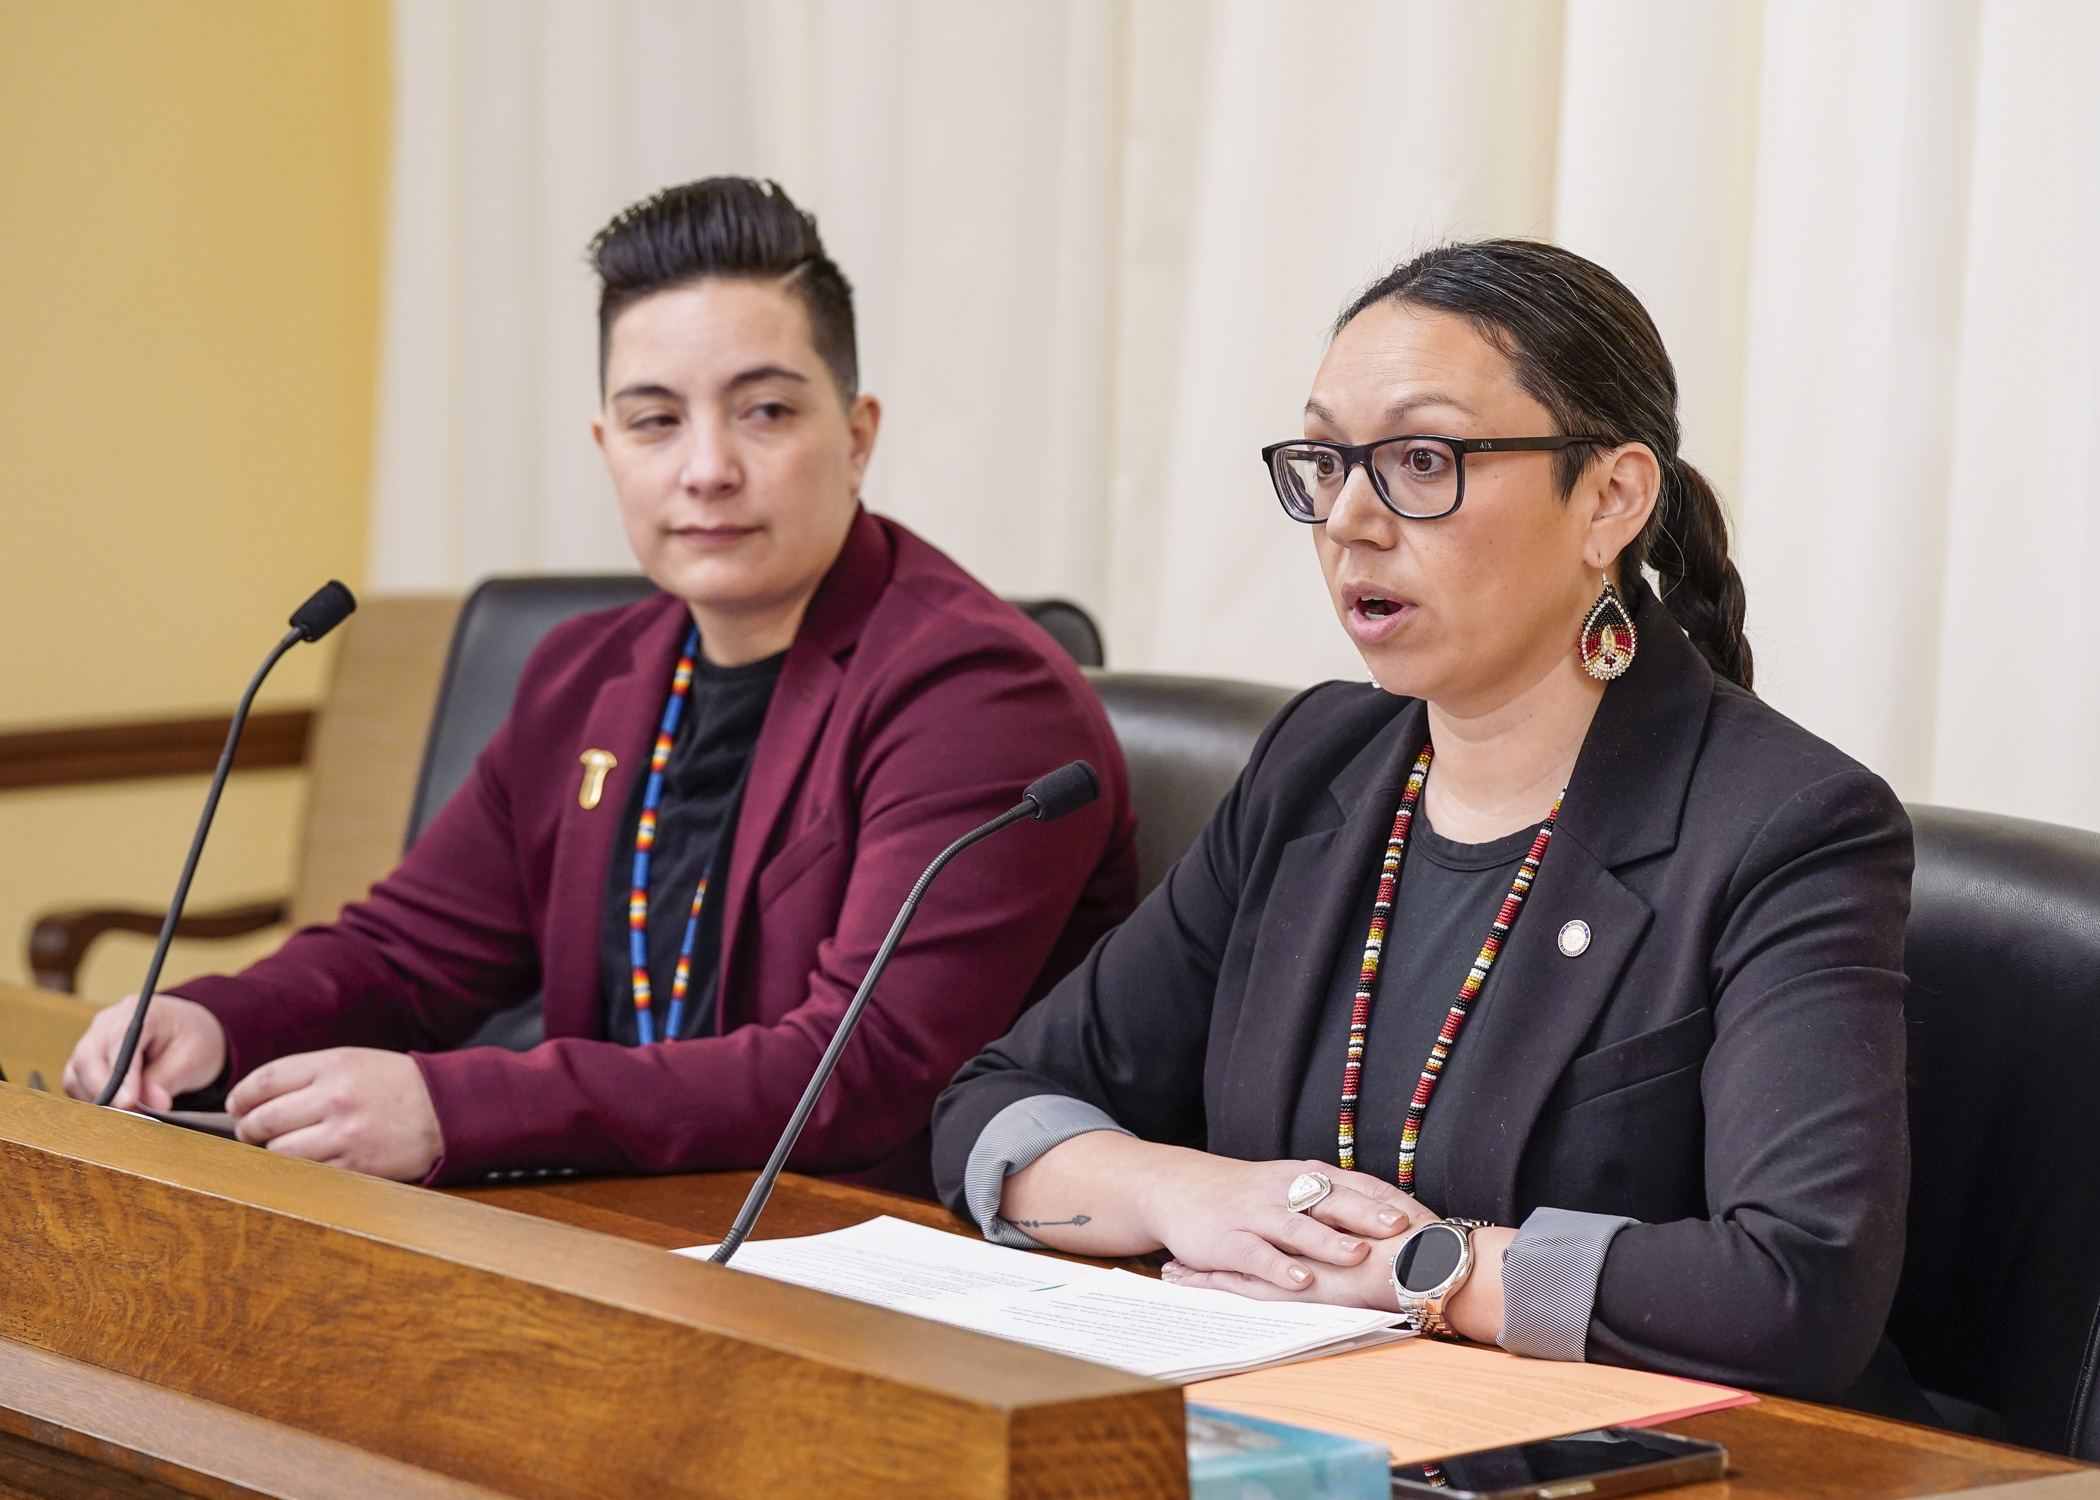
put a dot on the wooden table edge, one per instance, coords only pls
(194, 1446)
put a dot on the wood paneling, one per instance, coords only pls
(33, 1471)
(528, 1356)
(66, 1427)
(143, 750)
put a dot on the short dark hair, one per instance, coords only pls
(1585, 349)
(735, 227)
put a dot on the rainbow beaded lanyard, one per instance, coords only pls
(1374, 949)
(644, 846)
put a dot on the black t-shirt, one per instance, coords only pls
(695, 826)
(1445, 905)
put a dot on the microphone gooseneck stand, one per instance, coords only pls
(1064, 790)
(328, 608)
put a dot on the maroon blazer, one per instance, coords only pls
(913, 705)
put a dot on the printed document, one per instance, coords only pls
(1110, 1317)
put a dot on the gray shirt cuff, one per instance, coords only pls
(1549, 1281)
(1017, 1135)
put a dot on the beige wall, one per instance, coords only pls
(190, 227)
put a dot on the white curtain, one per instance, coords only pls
(1096, 245)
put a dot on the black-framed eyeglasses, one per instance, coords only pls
(1418, 475)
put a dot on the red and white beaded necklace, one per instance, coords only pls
(1374, 949)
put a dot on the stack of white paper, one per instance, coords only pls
(1110, 1317)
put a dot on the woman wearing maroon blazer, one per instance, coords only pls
(829, 702)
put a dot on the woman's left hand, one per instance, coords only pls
(1476, 1312)
(353, 1107)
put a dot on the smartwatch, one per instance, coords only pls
(1428, 1269)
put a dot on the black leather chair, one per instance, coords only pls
(1998, 1312)
(1185, 739)
(501, 623)
(1068, 625)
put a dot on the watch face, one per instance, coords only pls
(1426, 1261)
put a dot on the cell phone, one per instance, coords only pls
(210, 1122)
(1608, 1461)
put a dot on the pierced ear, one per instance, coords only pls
(1631, 489)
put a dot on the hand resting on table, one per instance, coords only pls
(352, 1107)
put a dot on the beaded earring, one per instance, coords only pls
(1608, 640)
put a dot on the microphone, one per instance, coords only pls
(329, 607)
(1064, 790)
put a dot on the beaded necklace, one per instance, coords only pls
(1374, 949)
(644, 846)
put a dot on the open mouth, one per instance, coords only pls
(1373, 606)
(1373, 617)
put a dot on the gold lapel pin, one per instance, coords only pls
(595, 764)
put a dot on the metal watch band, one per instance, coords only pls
(1424, 1318)
(1435, 1323)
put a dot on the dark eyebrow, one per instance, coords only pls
(650, 391)
(767, 372)
(1396, 415)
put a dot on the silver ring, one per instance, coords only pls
(1308, 1191)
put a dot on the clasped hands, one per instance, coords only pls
(1229, 1226)
(1232, 1230)
(353, 1107)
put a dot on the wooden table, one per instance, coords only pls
(181, 1314)
(73, 1428)
(1778, 1447)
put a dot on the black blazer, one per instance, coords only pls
(1724, 1064)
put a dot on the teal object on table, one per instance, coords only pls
(1232, 1457)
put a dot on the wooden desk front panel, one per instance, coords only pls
(526, 1356)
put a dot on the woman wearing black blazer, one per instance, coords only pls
(1636, 969)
